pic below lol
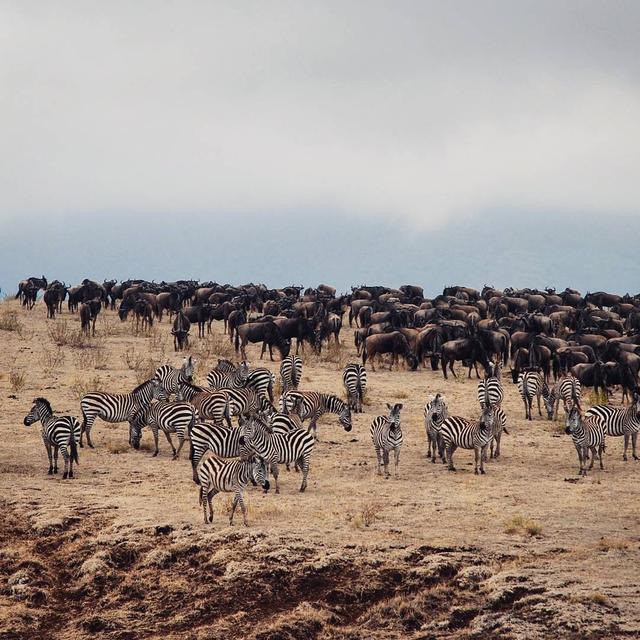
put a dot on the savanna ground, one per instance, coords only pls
(121, 551)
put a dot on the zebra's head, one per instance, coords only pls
(158, 392)
(345, 418)
(549, 398)
(259, 473)
(486, 419)
(243, 371)
(437, 411)
(188, 368)
(135, 429)
(394, 415)
(40, 409)
(572, 422)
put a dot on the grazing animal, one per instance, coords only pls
(171, 417)
(394, 343)
(490, 391)
(587, 434)
(180, 331)
(266, 332)
(386, 435)
(171, 378)
(499, 426)
(234, 379)
(435, 413)
(280, 443)
(261, 380)
(88, 314)
(530, 385)
(216, 475)
(290, 373)
(117, 407)
(312, 405)
(354, 378)
(457, 432)
(620, 422)
(59, 434)
(565, 389)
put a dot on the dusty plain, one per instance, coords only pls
(121, 551)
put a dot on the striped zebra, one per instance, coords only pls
(247, 402)
(118, 407)
(225, 365)
(499, 426)
(435, 413)
(290, 373)
(170, 378)
(216, 475)
(530, 385)
(588, 434)
(281, 443)
(171, 417)
(59, 433)
(312, 404)
(262, 381)
(386, 435)
(210, 405)
(565, 389)
(354, 378)
(457, 432)
(234, 379)
(620, 422)
(490, 391)
(222, 441)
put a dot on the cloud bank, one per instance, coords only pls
(418, 111)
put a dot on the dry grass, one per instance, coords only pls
(523, 525)
(81, 386)
(606, 544)
(368, 513)
(118, 448)
(132, 358)
(63, 335)
(9, 321)
(17, 380)
(95, 358)
(52, 359)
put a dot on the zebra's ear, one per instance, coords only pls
(389, 407)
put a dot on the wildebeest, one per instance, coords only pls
(88, 313)
(180, 331)
(394, 343)
(469, 350)
(266, 332)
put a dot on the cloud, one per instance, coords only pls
(421, 111)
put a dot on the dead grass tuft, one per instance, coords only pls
(81, 386)
(523, 525)
(52, 359)
(63, 335)
(117, 447)
(605, 544)
(17, 380)
(366, 516)
(9, 321)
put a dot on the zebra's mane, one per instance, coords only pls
(45, 402)
(142, 386)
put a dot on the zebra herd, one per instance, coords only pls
(225, 458)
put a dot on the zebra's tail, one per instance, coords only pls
(191, 424)
(505, 430)
(74, 448)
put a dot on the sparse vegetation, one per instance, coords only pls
(368, 513)
(118, 447)
(523, 525)
(9, 321)
(52, 359)
(606, 544)
(63, 335)
(17, 380)
(81, 386)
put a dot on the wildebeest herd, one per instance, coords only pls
(556, 345)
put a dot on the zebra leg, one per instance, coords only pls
(88, 427)
(65, 457)
(379, 471)
(210, 496)
(497, 438)
(236, 499)
(155, 441)
(305, 473)
(478, 458)
(176, 454)
(55, 458)
(168, 436)
(634, 440)
(450, 449)
(626, 446)
(397, 461)
(539, 409)
(275, 473)
(594, 455)
(441, 449)
(48, 448)
(600, 448)
(385, 462)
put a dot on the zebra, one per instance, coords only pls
(262, 381)
(620, 422)
(457, 432)
(588, 434)
(313, 404)
(222, 441)
(247, 402)
(210, 405)
(530, 385)
(234, 379)
(566, 388)
(171, 417)
(490, 390)
(386, 435)
(58, 432)
(499, 426)
(281, 443)
(118, 407)
(216, 475)
(170, 378)
(435, 413)
(354, 378)
(290, 373)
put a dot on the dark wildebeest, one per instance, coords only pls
(144, 314)
(299, 328)
(394, 343)
(235, 319)
(266, 332)
(180, 331)
(590, 375)
(466, 349)
(88, 313)
(200, 313)
(537, 357)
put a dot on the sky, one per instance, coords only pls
(349, 141)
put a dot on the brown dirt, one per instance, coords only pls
(121, 551)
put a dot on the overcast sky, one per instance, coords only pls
(425, 113)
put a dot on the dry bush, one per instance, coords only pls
(605, 544)
(52, 359)
(64, 335)
(366, 516)
(401, 395)
(158, 340)
(520, 524)
(146, 369)
(96, 358)
(81, 386)
(213, 346)
(132, 358)
(117, 447)
(599, 598)
(9, 321)
(17, 380)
